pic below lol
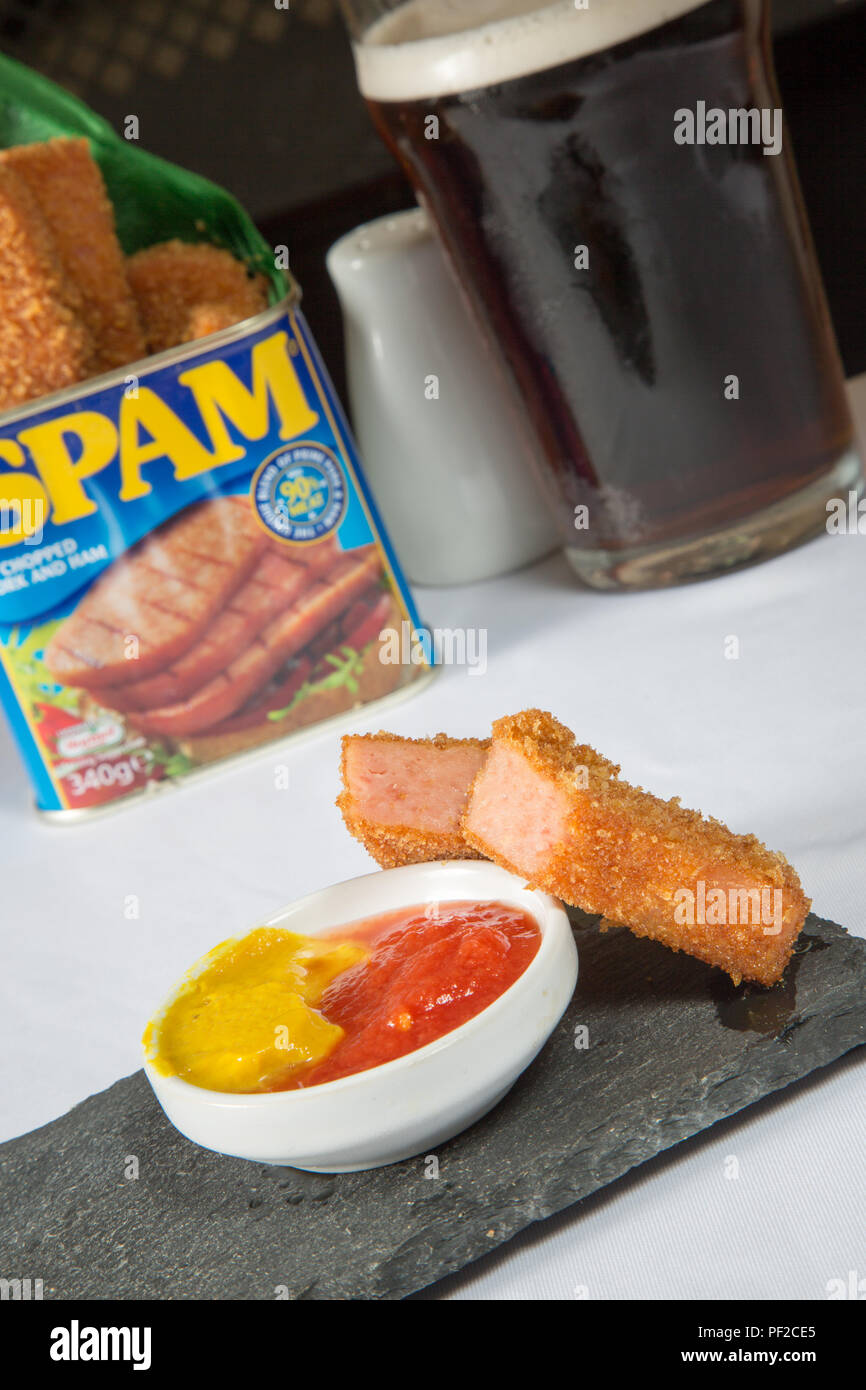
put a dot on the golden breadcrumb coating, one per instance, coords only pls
(629, 856)
(44, 345)
(205, 319)
(394, 845)
(67, 184)
(185, 291)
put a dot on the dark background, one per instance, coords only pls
(263, 100)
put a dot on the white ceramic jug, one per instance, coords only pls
(441, 444)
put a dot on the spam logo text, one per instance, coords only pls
(44, 468)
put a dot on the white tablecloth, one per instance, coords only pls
(773, 742)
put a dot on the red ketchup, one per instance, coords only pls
(430, 969)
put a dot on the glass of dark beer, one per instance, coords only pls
(613, 183)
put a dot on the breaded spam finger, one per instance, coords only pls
(67, 184)
(403, 798)
(556, 813)
(205, 319)
(187, 291)
(43, 344)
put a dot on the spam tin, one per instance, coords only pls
(192, 567)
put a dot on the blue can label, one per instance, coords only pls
(300, 493)
(191, 564)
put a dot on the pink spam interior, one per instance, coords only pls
(411, 784)
(516, 811)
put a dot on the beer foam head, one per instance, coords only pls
(432, 48)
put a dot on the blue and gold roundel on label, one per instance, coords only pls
(299, 492)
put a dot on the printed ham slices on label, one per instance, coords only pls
(273, 585)
(324, 599)
(201, 628)
(151, 605)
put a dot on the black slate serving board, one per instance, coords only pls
(673, 1047)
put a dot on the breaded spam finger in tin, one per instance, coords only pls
(67, 184)
(185, 291)
(44, 345)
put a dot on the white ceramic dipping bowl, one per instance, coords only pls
(413, 1103)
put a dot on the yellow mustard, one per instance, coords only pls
(247, 1012)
